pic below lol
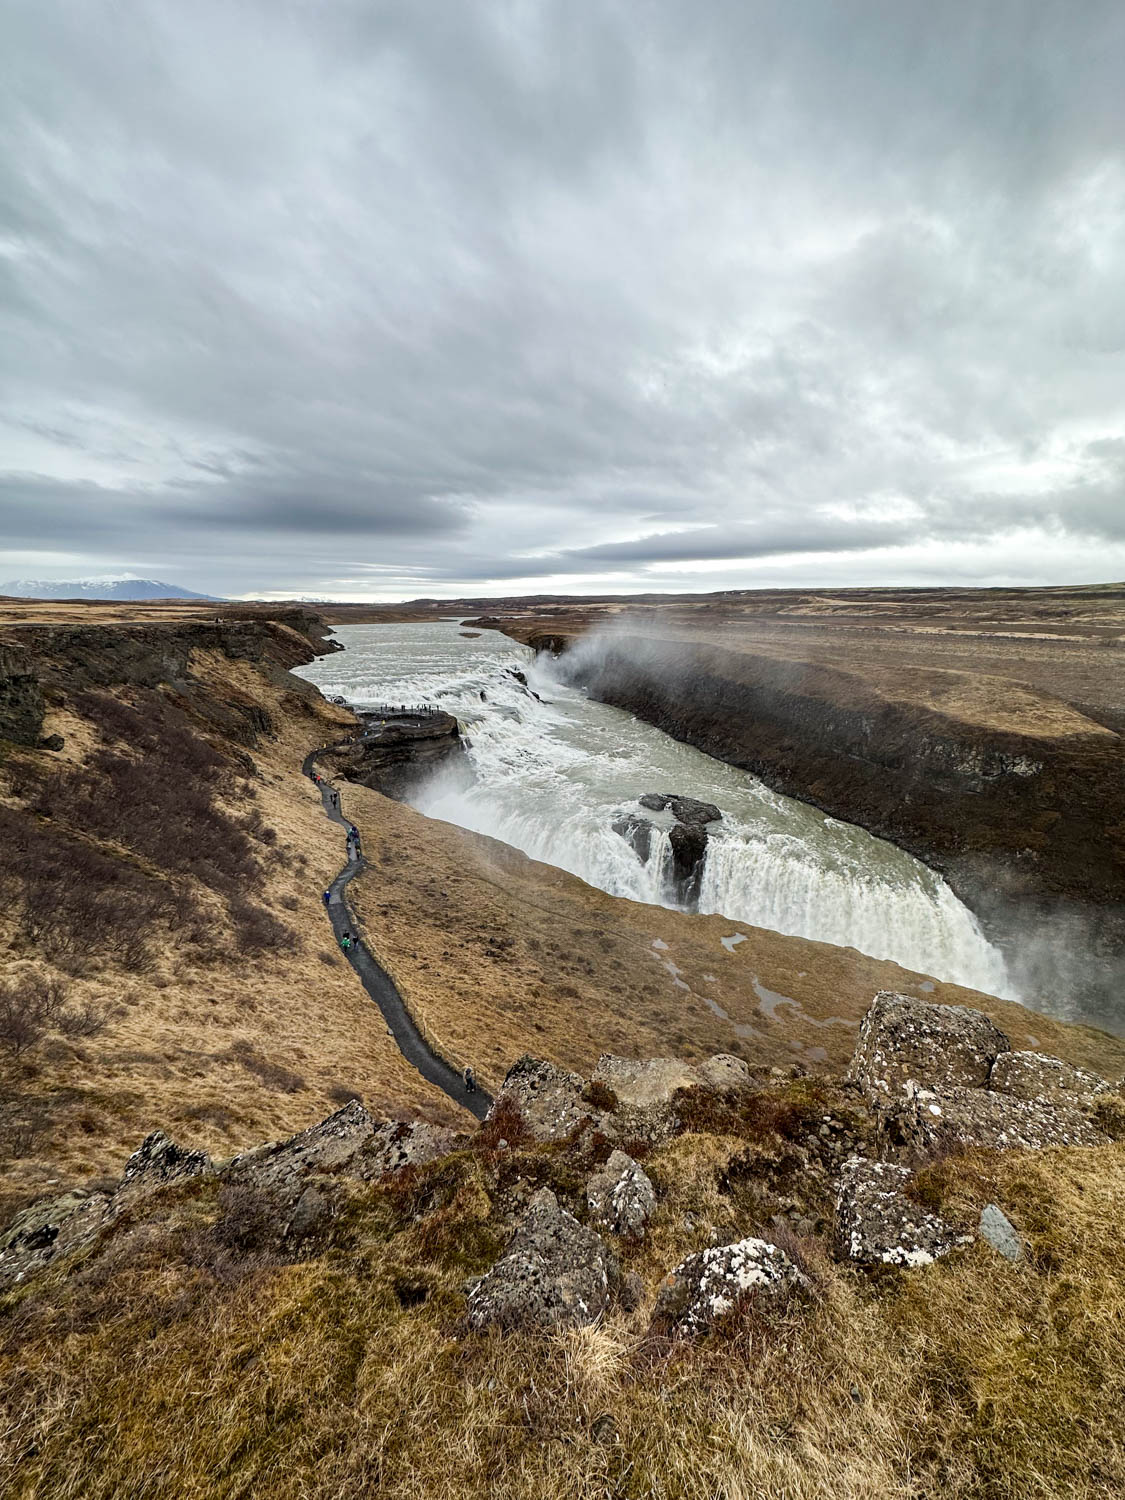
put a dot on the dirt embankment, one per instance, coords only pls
(1016, 796)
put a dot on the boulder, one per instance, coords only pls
(621, 1196)
(929, 1123)
(725, 1074)
(877, 1224)
(280, 1169)
(637, 833)
(547, 1098)
(712, 1283)
(645, 1091)
(938, 1046)
(48, 1228)
(997, 1230)
(400, 1143)
(1034, 1076)
(687, 837)
(157, 1163)
(554, 1274)
(687, 810)
(642, 1083)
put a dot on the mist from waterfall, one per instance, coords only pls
(552, 772)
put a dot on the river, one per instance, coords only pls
(550, 776)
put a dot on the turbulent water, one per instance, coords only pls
(551, 776)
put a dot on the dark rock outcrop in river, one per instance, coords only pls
(687, 836)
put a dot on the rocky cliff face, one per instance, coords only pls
(392, 755)
(1028, 829)
(21, 698)
(41, 664)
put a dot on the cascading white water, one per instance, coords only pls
(551, 777)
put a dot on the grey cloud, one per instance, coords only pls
(482, 291)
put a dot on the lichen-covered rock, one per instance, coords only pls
(401, 1143)
(708, 1285)
(903, 1040)
(997, 1230)
(547, 1098)
(645, 1090)
(282, 1167)
(1034, 1076)
(877, 1224)
(157, 1163)
(554, 1274)
(928, 1123)
(724, 1073)
(621, 1196)
(643, 1083)
(48, 1228)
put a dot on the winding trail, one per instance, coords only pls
(375, 979)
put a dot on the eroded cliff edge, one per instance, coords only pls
(1015, 797)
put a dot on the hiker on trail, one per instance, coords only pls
(346, 941)
(470, 1081)
(327, 897)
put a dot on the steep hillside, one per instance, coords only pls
(161, 872)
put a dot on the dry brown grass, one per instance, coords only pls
(501, 955)
(163, 1371)
(170, 1053)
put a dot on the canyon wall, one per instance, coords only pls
(1022, 812)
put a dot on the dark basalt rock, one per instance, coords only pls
(687, 836)
(637, 833)
(555, 1274)
(21, 698)
(395, 752)
(687, 810)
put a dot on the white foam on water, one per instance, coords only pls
(551, 776)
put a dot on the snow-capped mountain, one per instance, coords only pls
(107, 586)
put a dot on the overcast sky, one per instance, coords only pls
(358, 299)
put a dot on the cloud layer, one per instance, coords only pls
(388, 298)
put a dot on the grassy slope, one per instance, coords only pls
(500, 955)
(223, 1053)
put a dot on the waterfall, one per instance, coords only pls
(552, 772)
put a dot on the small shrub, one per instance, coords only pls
(258, 930)
(86, 1021)
(248, 1218)
(28, 1008)
(273, 1075)
(600, 1096)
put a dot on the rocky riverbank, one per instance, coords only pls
(395, 750)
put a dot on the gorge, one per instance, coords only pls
(551, 772)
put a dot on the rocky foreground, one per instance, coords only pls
(667, 1280)
(926, 1080)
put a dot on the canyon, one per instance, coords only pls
(309, 1256)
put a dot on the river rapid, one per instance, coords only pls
(551, 774)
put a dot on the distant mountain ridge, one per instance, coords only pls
(126, 586)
